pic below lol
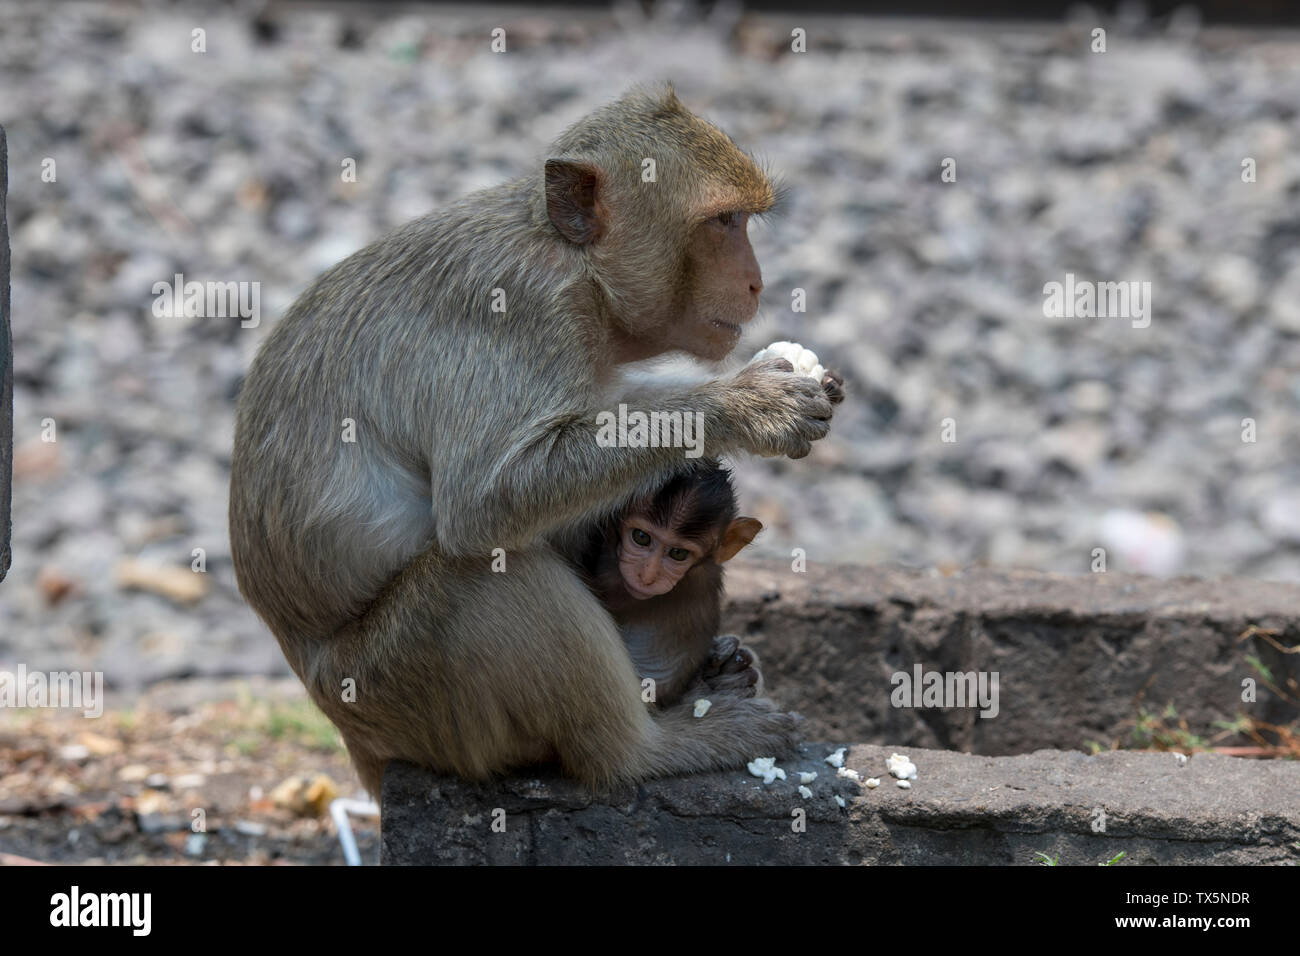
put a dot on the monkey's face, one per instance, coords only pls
(722, 283)
(652, 559)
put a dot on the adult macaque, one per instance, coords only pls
(372, 559)
(657, 568)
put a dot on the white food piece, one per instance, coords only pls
(806, 777)
(837, 759)
(872, 783)
(900, 767)
(702, 706)
(1147, 542)
(1180, 759)
(847, 772)
(904, 785)
(766, 768)
(805, 793)
(840, 800)
(804, 360)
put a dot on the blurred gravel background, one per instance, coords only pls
(1071, 433)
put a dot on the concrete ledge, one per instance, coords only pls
(962, 809)
(1076, 654)
(1077, 657)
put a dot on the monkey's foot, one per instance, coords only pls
(754, 726)
(732, 668)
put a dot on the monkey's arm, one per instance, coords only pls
(669, 637)
(673, 640)
(574, 463)
(672, 668)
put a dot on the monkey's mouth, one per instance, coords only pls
(637, 593)
(731, 328)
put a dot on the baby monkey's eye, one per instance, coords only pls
(641, 538)
(678, 554)
(729, 218)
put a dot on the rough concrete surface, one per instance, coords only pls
(1076, 655)
(962, 809)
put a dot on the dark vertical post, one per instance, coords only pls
(6, 369)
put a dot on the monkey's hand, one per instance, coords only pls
(805, 363)
(833, 383)
(776, 411)
(732, 668)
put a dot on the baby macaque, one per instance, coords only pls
(657, 568)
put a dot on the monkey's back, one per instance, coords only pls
(364, 422)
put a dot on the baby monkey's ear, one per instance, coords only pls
(738, 534)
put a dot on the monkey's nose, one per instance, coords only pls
(755, 285)
(649, 574)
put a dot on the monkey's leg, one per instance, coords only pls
(589, 710)
(507, 669)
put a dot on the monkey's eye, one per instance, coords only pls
(729, 218)
(640, 537)
(678, 554)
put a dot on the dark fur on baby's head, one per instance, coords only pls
(698, 504)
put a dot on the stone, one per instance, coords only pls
(964, 810)
(1072, 651)
(1073, 654)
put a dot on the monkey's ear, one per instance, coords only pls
(738, 534)
(572, 204)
